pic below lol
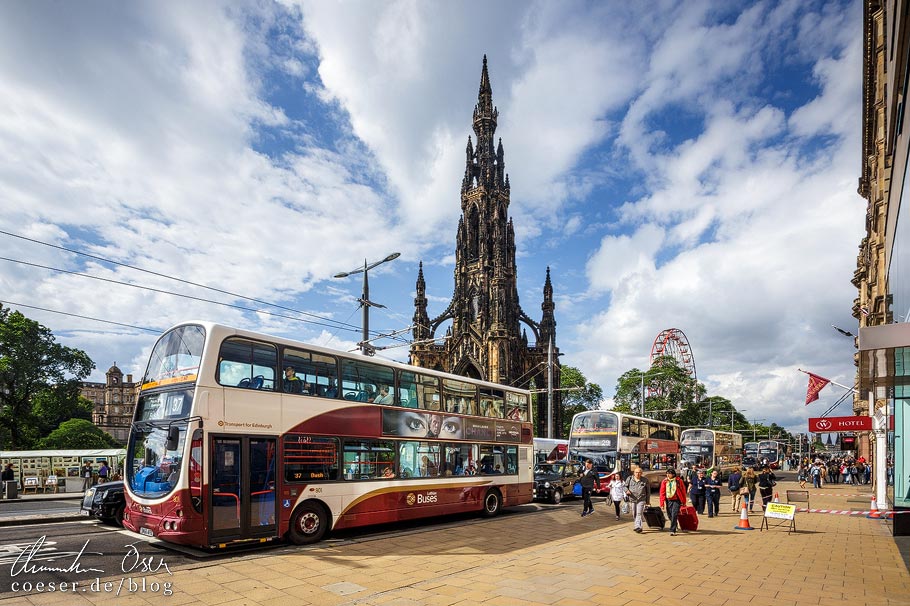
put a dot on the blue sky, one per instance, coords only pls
(691, 168)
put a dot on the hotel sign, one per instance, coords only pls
(836, 424)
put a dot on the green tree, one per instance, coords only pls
(57, 404)
(37, 375)
(577, 395)
(723, 412)
(666, 389)
(77, 434)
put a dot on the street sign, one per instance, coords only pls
(835, 424)
(780, 510)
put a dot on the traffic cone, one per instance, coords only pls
(743, 520)
(874, 513)
(776, 498)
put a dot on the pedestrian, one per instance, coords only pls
(801, 476)
(816, 474)
(733, 487)
(766, 483)
(688, 473)
(672, 496)
(712, 494)
(103, 472)
(86, 474)
(617, 492)
(589, 481)
(638, 491)
(749, 482)
(697, 492)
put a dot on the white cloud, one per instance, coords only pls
(664, 168)
(619, 257)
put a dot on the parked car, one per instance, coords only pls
(554, 481)
(105, 502)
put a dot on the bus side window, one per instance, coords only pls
(247, 364)
(418, 391)
(516, 406)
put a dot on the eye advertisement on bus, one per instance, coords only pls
(420, 424)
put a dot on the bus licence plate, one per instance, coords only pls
(146, 531)
(84, 512)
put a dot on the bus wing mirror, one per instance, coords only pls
(173, 437)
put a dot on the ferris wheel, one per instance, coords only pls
(673, 342)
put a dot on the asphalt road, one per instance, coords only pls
(29, 507)
(75, 554)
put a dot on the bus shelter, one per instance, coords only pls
(34, 467)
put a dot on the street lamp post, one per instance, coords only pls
(550, 390)
(365, 347)
(754, 421)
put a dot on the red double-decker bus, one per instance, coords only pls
(239, 436)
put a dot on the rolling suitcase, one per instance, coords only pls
(688, 518)
(654, 517)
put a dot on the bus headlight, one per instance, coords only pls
(546, 484)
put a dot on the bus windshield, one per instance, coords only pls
(155, 468)
(176, 357)
(595, 422)
(697, 447)
(698, 454)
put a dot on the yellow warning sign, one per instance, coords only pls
(780, 511)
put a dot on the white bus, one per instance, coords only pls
(750, 454)
(709, 448)
(238, 436)
(616, 442)
(769, 453)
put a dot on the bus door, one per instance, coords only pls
(242, 488)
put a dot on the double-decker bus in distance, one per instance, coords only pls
(239, 437)
(750, 454)
(769, 453)
(616, 442)
(709, 448)
(546, 449)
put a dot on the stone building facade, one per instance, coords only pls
(882, 274)
(113, 403)
(485, 339)
(872, 306)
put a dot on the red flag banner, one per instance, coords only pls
(816, 384)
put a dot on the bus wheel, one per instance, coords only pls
(557, 497)
(492, 503)
(308, 524)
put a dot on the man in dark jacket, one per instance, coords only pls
(589, 480)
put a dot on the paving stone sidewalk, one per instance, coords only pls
(554, 557)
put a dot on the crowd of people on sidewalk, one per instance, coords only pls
(702, 487)
(836, 470)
